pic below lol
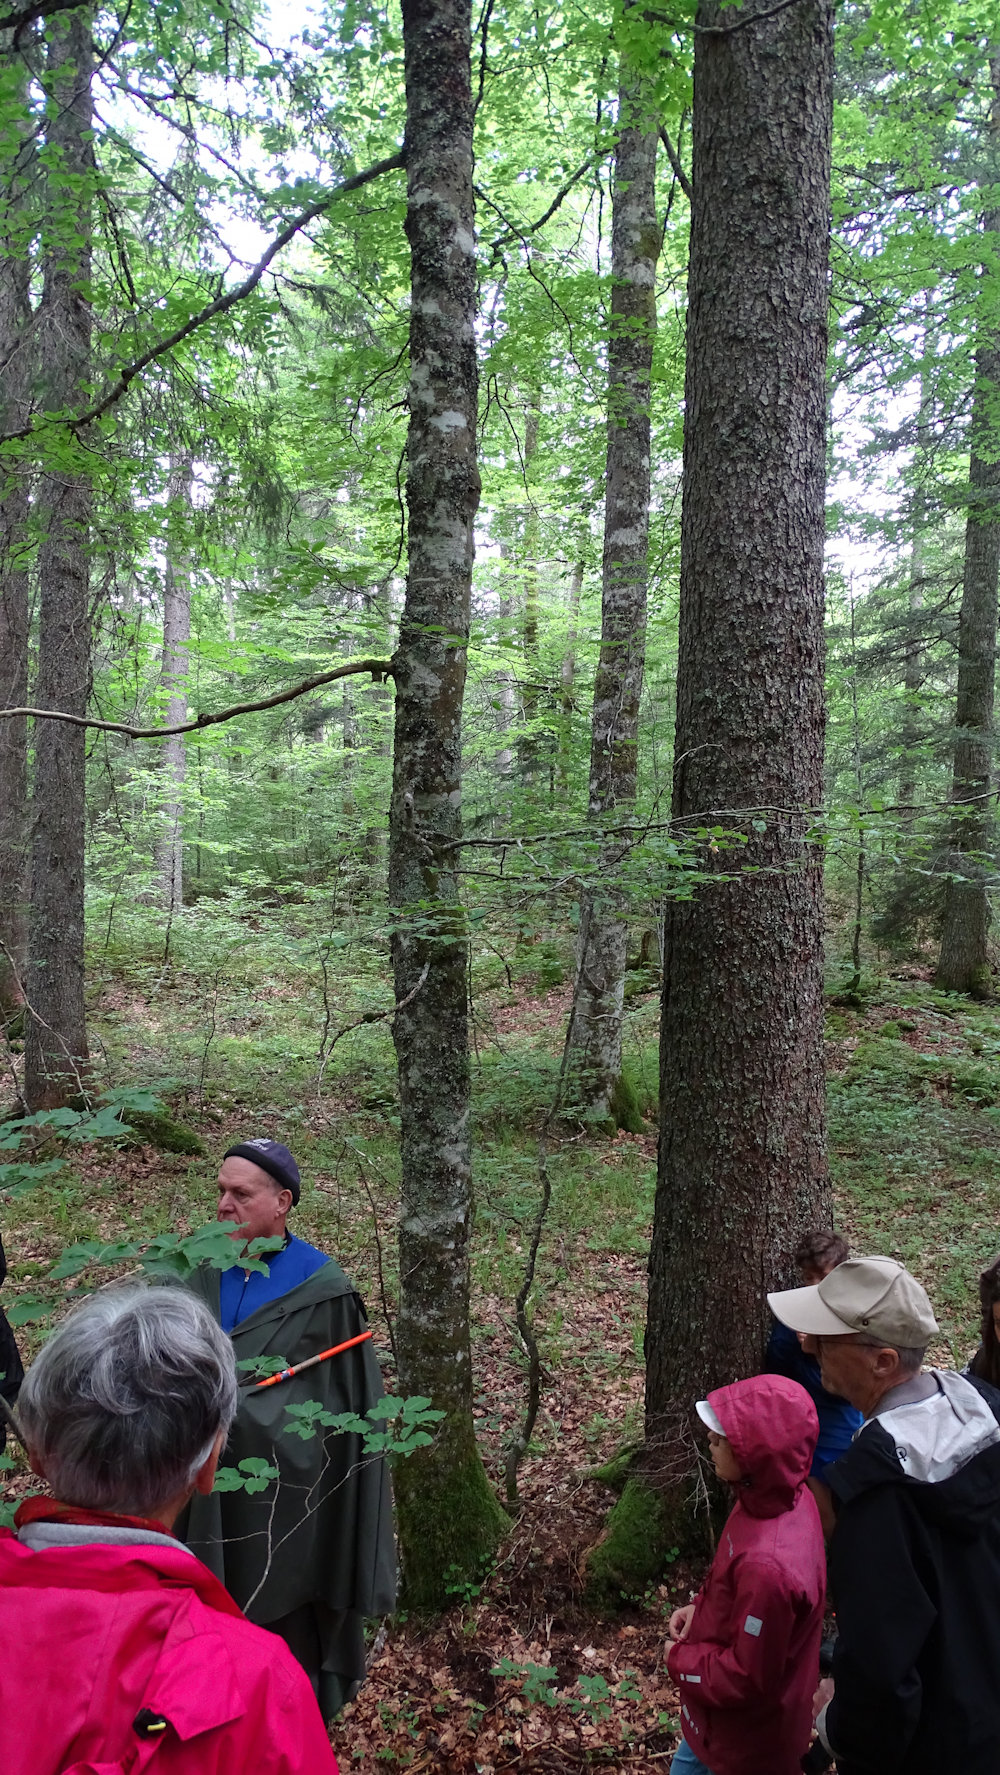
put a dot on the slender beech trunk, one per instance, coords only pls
(963, 965)
(56, 1044)
(173, 678)
(914, 667)
(449, 1520)
(596, 1032)
(742, 1159)
(15, 397)
(567, 677)
(528, 746)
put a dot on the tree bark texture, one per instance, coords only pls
(567, 677)
(449, 1520)
(963, 965)
(742, 1161)
(173, 679)
(15, 399)
(56, 1040)
(596, 1031)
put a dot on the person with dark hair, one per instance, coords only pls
(985, 1364)
(312, 1553)
(915, 1552)
(818, 1252)
(121, 1650)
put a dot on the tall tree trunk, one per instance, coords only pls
(596, 1032)
(963, 965)
(914, 667)
(56, 1044)
(449, 1520)
(528, 746)
(173, 678)
(742, 1159)
(15, 396)
(567, 677)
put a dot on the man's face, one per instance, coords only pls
(250, 1198)
(851, 1369)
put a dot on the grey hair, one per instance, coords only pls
(123, 1404)
(911, 1356)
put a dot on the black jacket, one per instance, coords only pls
(915, 1577)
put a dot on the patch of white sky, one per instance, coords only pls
(281, 25)
(858, 553)
(866, 490)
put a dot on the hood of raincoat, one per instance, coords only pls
(772, 1427)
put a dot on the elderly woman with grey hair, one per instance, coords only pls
(123, 1651)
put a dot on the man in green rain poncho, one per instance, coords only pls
(312, 1554)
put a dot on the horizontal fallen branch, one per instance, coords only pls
(380, 669)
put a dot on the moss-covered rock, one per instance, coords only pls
(152, 1128)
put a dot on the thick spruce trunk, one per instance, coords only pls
(449, 1520)
(173, 679)
(56, 1042)
(15, 396)
(963, 965)
(596, 1029)
(742, 1159)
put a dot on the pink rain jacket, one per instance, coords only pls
(749, 1667)
(93, 1635)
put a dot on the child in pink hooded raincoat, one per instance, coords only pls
(746, 1652)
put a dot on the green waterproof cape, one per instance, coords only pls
(321, 1533)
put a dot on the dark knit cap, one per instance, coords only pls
(273, 1158)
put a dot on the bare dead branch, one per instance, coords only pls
(380, 669)
(26, 15)
(654, 17)
(675, 163)
(220, 305)
(369, 1017)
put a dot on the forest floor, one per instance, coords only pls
(520, 1674)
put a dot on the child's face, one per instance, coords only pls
(727, 1467)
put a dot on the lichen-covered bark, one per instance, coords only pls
(963, 965)
(56, 1040)
(742, 1161)
(15, 392)
(173, 678)
(596, 1030)
(449, 1520)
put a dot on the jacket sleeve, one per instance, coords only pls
(884, 1617)
(754, 1666)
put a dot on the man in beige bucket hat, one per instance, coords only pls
(915, 1552)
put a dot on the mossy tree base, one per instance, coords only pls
(450, 1525)
(624, 1106)
(646, 1530)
